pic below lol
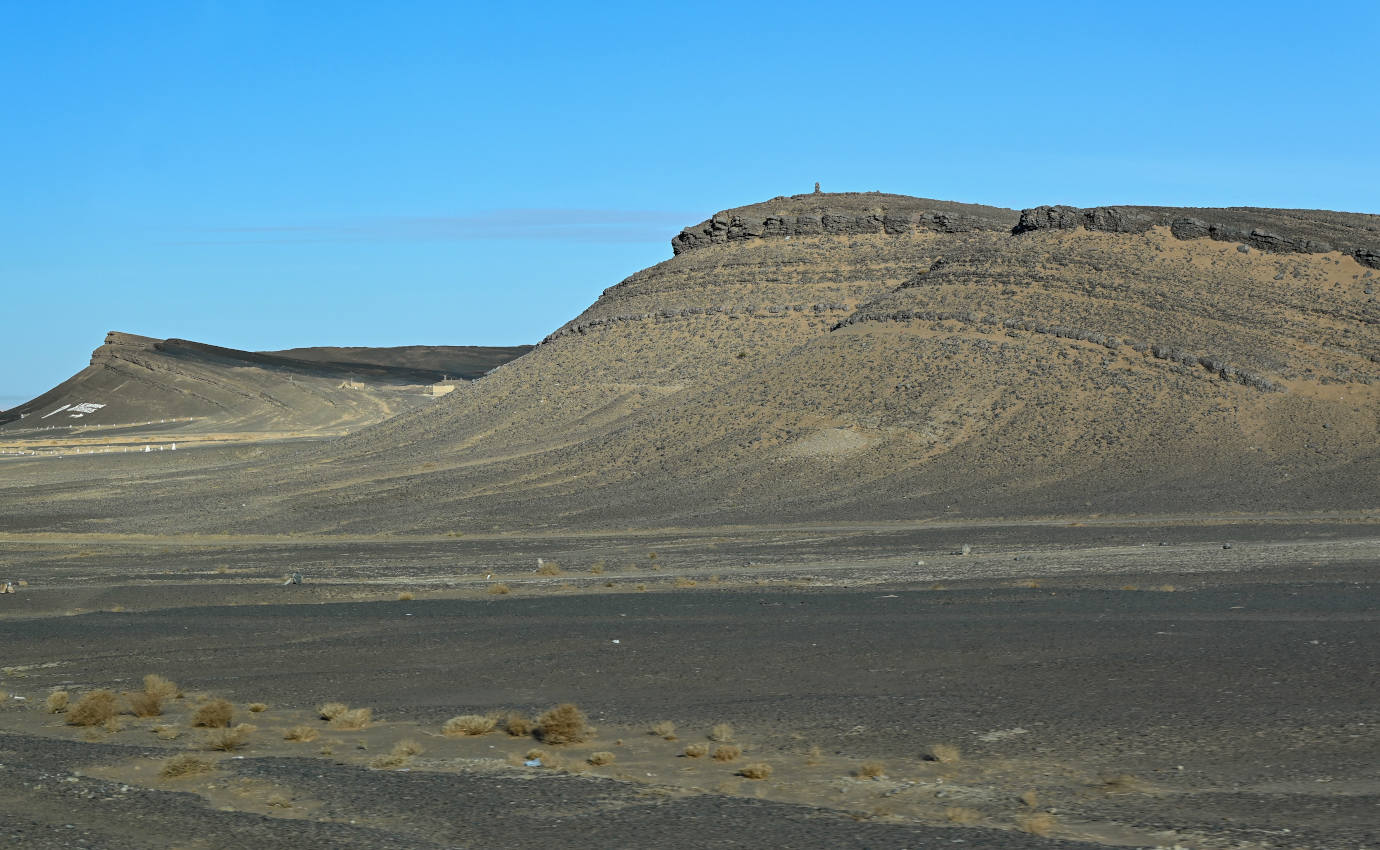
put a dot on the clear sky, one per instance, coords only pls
(275, 174)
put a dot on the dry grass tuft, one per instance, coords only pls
(388, 761)
(145, 704)
(305, 734)
(499, 589)
(166, 732)
(943, 753)
(353, 719)
(332, 710)
(564, 724)
(682, 581)
(963, 815)
(870, 770)
(813, 756)
(408, 747)
(1031, 798)
(214, 714)
(279, 801)
(185, 765)
(756, 770)
(721, 732)
(405, 596)
(517, 724)
(601, 758)
(257, 707)
(113, 725)
(468, 724)
(597, 568)
(93, 709)
(1040, 823)
(665, 729)
(727, 752)
(228, 739)
(158, 686)
(696, 751)
(641, 587)
(534, 753)
(549, 568)
(56, 702)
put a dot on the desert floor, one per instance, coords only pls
(1177, 682)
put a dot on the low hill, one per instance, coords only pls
(138, 387)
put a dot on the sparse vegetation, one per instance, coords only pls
(727, 752)
(93, 708)
(258, 707)
(405, 596)
(564, 724)
(517, 724)
(1040, 823)
(682, 581)
(353, 719)
(408, 747)
(549, 568)
(1031, 798)
(601, 758)
(56, 703)
(813, 756)
(942, 753)
(332, 710)
(665, 729)
(1120, 783)
(696, 751)
(962, 815)
(228, 739)
(304, 734)
(870, 770)
(214, 714)
(160, 687)
(185, 764)
(721, 732)
(144, 704)
(499, 589)
(468, 724)
(756, 770)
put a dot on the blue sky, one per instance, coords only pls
(273, 174)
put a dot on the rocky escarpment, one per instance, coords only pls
(845, 214)
(1275, 231)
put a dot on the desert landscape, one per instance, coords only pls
(864, 520)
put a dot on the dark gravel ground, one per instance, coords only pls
(1247, 699)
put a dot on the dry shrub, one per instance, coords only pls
(870, 770)
(600, 758)
(185, 765)
(279, 801)
(534, 753)
(641, 588)
(113, 725)
(468, 724)
(257, 707)
(388, 761)
(214, 714)
(813, 756)
(167, 732)
(1031, 798)
(158, 686)
(597, 569)
(682, 581)
(405, 596)
(57, 702)
(696, 751)
(517, 724)
(963, 815)
(499, 589)
(721, 732)
(93, 709)
(1040, 823)
(549, 568)
(353, 719)
(145, 704)
(407, 747)
(727, 752)
(332, 710)
(564, 724)
(665, 729)
(943, 753)
(228, 739)
(756, 770)
(305, 734)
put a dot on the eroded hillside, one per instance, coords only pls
(871, 357)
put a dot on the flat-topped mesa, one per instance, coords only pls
(1275, 231)
(841, 214)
